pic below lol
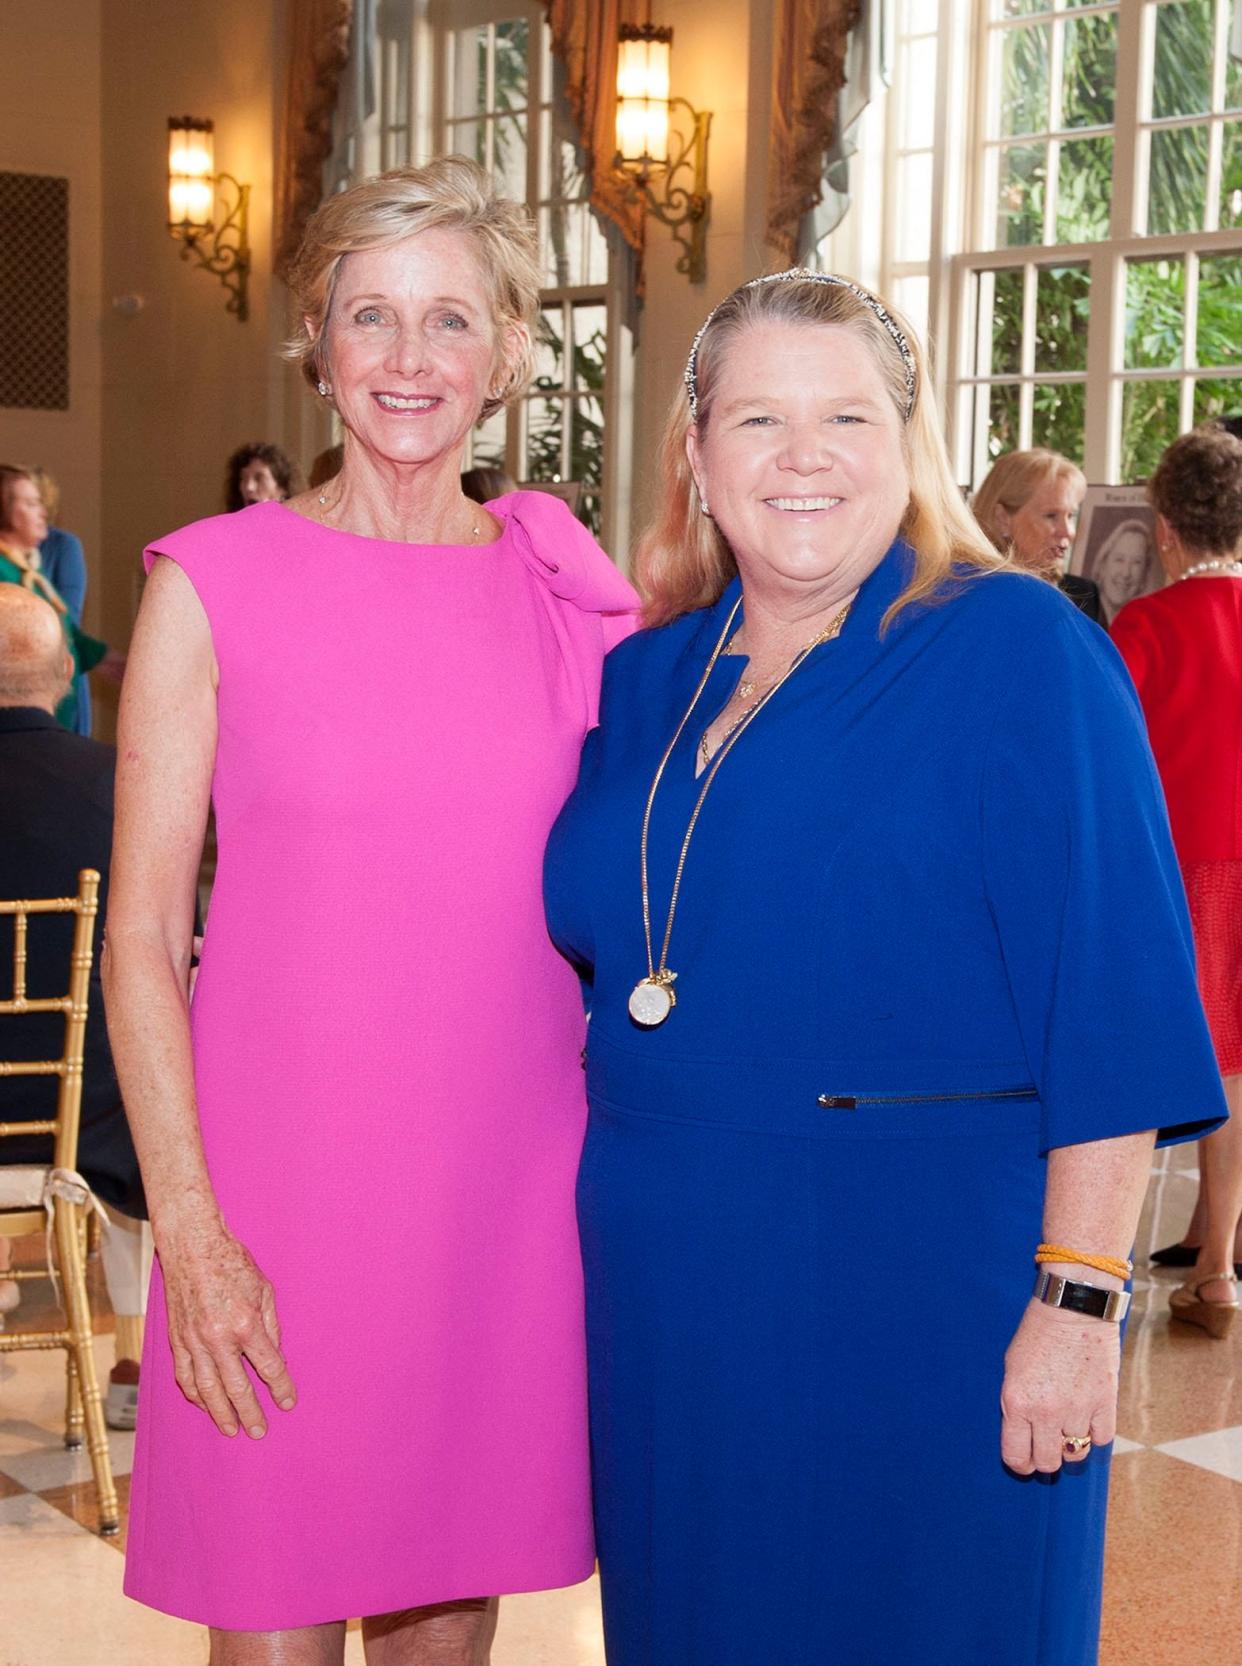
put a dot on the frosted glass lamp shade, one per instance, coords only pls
(191, 176)
(643, 55)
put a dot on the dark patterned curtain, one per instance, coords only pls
(584, 39)
(318, 53)
(808, 72)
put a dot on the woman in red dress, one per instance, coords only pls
(1183, 647)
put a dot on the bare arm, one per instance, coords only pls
(1061, 1369)
(219, 1305)
(166, 749)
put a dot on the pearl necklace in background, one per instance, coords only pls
(1214, 567)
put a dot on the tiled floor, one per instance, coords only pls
(1174, 1587)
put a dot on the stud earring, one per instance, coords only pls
(324, 390)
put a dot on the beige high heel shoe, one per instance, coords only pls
(1215, 1318)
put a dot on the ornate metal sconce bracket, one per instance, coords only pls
(225, 250)
(676, 194)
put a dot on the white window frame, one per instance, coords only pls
(410, 124)
(1105, 375)
(448, 18)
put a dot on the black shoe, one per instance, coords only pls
(1183, 1255)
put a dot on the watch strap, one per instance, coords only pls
(1091, 1299)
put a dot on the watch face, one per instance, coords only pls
(1088, 1299)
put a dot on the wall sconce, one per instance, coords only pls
(666, 170)
(193, 188)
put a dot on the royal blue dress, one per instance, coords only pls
(931, 925)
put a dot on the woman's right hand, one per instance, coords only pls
(222, 1311)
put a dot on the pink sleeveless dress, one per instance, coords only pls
(387, 1062)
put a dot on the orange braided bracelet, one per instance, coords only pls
(1104, 1263)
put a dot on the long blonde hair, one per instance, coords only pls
(1013, 480)
(683, 561)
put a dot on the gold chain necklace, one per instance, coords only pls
(475, 528)
(746, 687)
(652, 998)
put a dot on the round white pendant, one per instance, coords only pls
(650, 1003)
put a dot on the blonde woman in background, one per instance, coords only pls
(62, 560)
(1028, 506)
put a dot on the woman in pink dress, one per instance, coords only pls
(367, 1395)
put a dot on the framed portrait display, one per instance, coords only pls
(1116, 546)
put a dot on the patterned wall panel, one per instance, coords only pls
(34, 292)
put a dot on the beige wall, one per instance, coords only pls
(50, 124)
(161, 395)
(722, 63)
(184, 382)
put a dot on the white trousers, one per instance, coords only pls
(126, 1252)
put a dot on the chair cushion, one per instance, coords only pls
(21, 1186)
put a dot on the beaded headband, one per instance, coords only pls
(801, 274)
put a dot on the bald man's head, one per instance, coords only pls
(36, 667)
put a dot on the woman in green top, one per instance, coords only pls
(23, 526)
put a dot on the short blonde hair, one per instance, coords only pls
(1013, 480)
(10, 474)
(683, 561)
(452, 193)
(49, 490)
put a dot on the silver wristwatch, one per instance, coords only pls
(1090, 1299)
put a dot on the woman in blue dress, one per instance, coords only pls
(892, 985)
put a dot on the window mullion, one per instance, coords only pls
(618, 433)
(1136, 37)
(1216, 142)
(538, 121)
(1056, 73)
(1220, 52)
(1105, 344)
(1190, 322)
(1026, 392)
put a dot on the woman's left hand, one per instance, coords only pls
(1061, 1373)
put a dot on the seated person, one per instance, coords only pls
(327, 465)
(23, 527)
(1028, 506)
(487, 482)
(62, 561)
(257, 473)
(55, 819)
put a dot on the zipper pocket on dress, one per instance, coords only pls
(851, 1101)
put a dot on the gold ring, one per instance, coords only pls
(1075, 1444)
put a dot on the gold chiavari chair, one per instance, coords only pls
(55, 1200)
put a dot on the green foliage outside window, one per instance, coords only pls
(1155, 289)
(563, 428)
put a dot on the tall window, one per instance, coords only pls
(1092, 312)
(1184, 309)
(911, 140)
(476, 77)
(502, 110)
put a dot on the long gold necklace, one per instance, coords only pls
(747, 686)
(653, 998)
